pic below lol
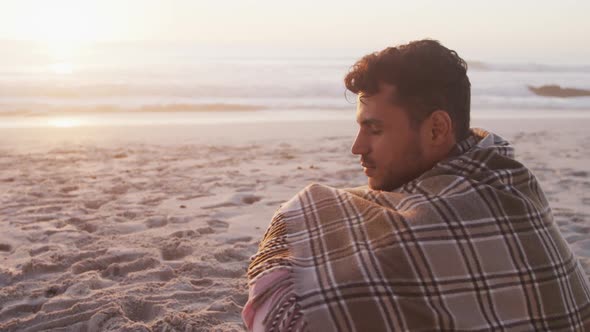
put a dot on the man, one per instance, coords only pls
(451, 234)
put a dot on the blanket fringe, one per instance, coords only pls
(286, 317)
(273, 255)
(274, 250)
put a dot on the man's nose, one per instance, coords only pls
(360, 146)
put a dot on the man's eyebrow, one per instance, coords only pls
(369, 122)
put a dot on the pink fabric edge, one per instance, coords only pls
(251, 316)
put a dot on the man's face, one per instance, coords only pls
(390, 149)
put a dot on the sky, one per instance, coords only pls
(531, 31)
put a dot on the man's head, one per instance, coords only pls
(413, 106)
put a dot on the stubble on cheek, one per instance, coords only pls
(378, 181)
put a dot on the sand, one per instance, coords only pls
(151, 228)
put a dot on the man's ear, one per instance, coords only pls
(441, 128)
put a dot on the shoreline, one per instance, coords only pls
(92, 120)
(238, 132)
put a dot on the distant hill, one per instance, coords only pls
(477, 65)
(558, 91)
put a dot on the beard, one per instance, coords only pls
(396, 176)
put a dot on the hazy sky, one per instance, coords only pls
(533, 31)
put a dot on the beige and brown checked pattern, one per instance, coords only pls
(468, 246)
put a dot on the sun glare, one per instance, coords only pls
(63, 27)
(68, 21)
(62, 68)
(64, 123)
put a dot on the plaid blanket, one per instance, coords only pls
(469, 245)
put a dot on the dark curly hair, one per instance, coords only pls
(427, 77)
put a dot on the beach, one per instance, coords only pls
(150, 228)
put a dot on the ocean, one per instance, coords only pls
(137, 84)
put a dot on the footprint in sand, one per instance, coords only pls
(175, 249)
(49, 209)
(156, 221)
(104, 261)
(573, 238)
(120, 155)
(216, 223)
(152, 200)
(40, 266)
(230, 254)
(160, 273)
(179, 219)
(17, 310)
(94, 204)
(82, 225)
(222, 309)
(68, 189)
(236, 239)
(53, 291)
(140, 310)
(189, 233)
(580, 174)
(122, 269)
(205, 230)
(128, 214)
(580, 229)
(236, 200)
(579, 218)
(36, 250)
(118, 189)
(204, 282)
